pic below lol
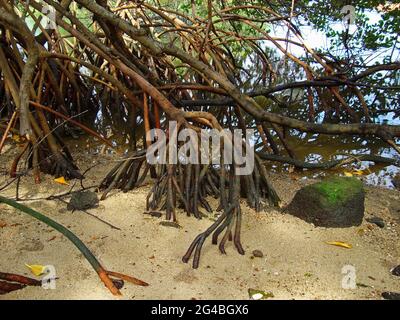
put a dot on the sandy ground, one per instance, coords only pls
(297, 262)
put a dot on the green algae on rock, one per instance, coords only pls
(334, 202)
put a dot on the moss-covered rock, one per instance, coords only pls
(334, 202)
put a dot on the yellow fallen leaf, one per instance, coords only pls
(36, 269)
(16, 138)
(340, 244)
(358, 172)
(361, 232)
(61, 180)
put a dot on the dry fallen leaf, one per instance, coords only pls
(61, 180)
(361, 232)
(340, 244)
(2, 224)
(16, 138)
(15, 224)
(356, 173)
(256, 294)
(36, 269)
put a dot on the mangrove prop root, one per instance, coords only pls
(14, 282)
(39, 156)
(14, 165)
(127, 278)
(7, 287)
(230, 217)
(187, 186)
(20, 279)
(102, 273)
(125, 174)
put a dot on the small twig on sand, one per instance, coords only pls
(94, 216)
(101, 220)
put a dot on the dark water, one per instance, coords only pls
(307, 147)
(316, 149)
